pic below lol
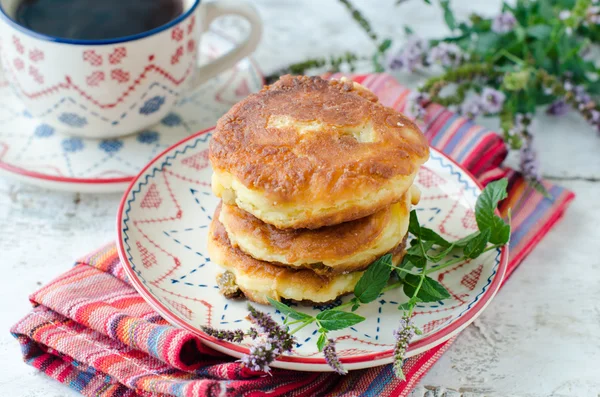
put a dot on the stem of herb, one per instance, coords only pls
(301, 326)
(392, 286)
(405, 271)
(456, 260)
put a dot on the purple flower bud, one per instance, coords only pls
(332, 358)
(472, 107)
(529, 161)
(492, 100)
(558, 108)
(504, 23)
(403, 335)
(411, 56)
(564, 14)
(445, 54)
(414, 105)
(273, 330)
(261, 355)
(229, 336)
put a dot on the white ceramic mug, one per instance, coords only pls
(109, 88)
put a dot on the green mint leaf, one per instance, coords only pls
(430, 291)
(415, 261)
(487, 202)
(408, 31)
(475, 247)
(355, 303)
(333, 320)
(414, 227)
(321, 341)
(448, 14)
(405, 306)
(385, 45)
(418, 331)
(500, 231)
(374, 279)
(429, 235)
(540, 32)
(540, 188)
(288, 311)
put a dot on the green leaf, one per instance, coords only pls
(321, 341)
(333, 320)
(475, 247)
(487, 202)
(414, 226)
(408, 31)
(385, 45)
(545, 9)
(500, 231)
(487, 43)
(288, 311)
(430, 235)
(405, 306)
(374, 279)
(540, 32)
(430, 291)
(448, 14)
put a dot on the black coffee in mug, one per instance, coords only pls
(96, 19)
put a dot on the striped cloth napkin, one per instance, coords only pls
(90, 330)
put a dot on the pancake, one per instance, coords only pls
(342, 248)
(259, 280)
(307, 153)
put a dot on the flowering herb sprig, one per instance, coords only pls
(535, 53)
(428, 253)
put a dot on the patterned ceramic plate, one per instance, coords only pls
(162, 231)
(36, 153)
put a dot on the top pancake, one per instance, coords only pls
(307, 152)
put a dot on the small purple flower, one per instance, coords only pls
(504, 23)
(414, 105)
(445, 54)
(592, 15)
(261, 355)
(332, 358)
(558, 108)
(564, 14)
(403, 335)
(229, 336)
(273, 330)
(411, 56)
(472, 107)
(492, 100)
(529, 161)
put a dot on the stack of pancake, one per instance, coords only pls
(316, 181)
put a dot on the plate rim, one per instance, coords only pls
(34, 177)
(374, 358)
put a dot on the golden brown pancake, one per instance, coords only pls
(259, 280)
(307, 153)
(341, 248)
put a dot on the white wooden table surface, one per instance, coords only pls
(539, 337)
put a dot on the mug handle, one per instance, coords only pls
(229, 7)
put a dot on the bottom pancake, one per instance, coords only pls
(259, 280)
